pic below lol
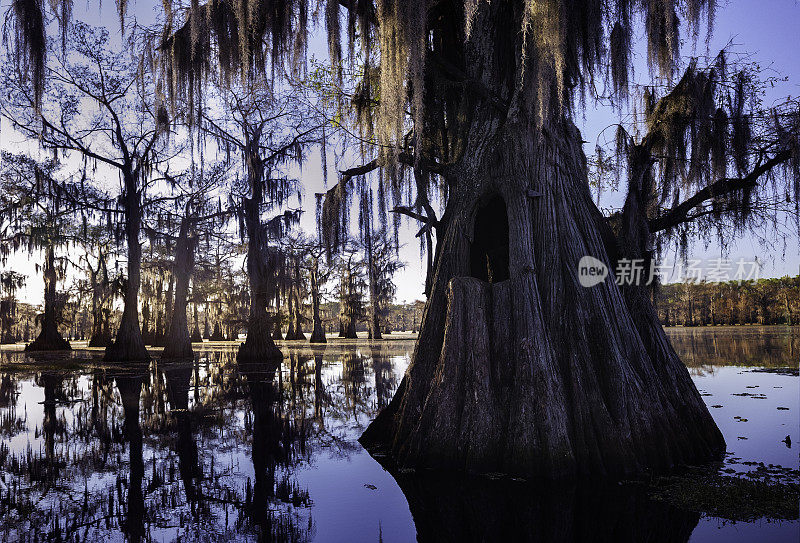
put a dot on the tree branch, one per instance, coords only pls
(680, 213)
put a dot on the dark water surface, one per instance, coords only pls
(212, 450)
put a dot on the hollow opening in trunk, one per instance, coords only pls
(489, 249)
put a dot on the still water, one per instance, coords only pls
(213, 450)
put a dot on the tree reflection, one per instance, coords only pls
(8, 390)
(275, 440)
(191, 473)
(459, 508)
(385, 381)
(52, 384)
(130, 388)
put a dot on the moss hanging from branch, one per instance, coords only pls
(29, 42)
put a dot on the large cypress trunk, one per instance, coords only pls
(258, 346)
(179, 343)
(129, 345)
(49, 338)
(518, 368)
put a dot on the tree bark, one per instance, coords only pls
(536, 375)
(318, 332)
(49, 338)
(129, 345)
(179, 344)
(374, 320)
(217, 335)
(258, 346)
(295, 307)
(196, 337)
(100, 335)
(347, 312)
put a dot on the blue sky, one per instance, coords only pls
(767, 29)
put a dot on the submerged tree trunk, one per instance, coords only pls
(518, 368)
(179, 344)
(129, 345)
(318, 332)
(49, 339)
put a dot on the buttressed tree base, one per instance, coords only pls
(518, 368)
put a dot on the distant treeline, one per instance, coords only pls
(764, 301)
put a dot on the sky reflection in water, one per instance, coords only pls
(221, 451)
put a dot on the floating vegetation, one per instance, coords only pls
(769, 492)
(756, 396)
(793, 372)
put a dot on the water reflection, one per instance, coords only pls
(477, 509)
(132, 524)
(269, 452)
(762, 346)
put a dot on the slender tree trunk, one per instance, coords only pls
(217, 335)
(277, 334)
(318, 333)
(49, 338)
(158, 329)
(290, 333)
(518, 368)
(129, 345)
(348, 316)
(295, 307)
(196, 337)
(374, 320)
(164, 317)
(179, 344)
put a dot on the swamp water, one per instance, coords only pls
(212, 450)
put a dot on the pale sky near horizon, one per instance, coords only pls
(768, 30)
